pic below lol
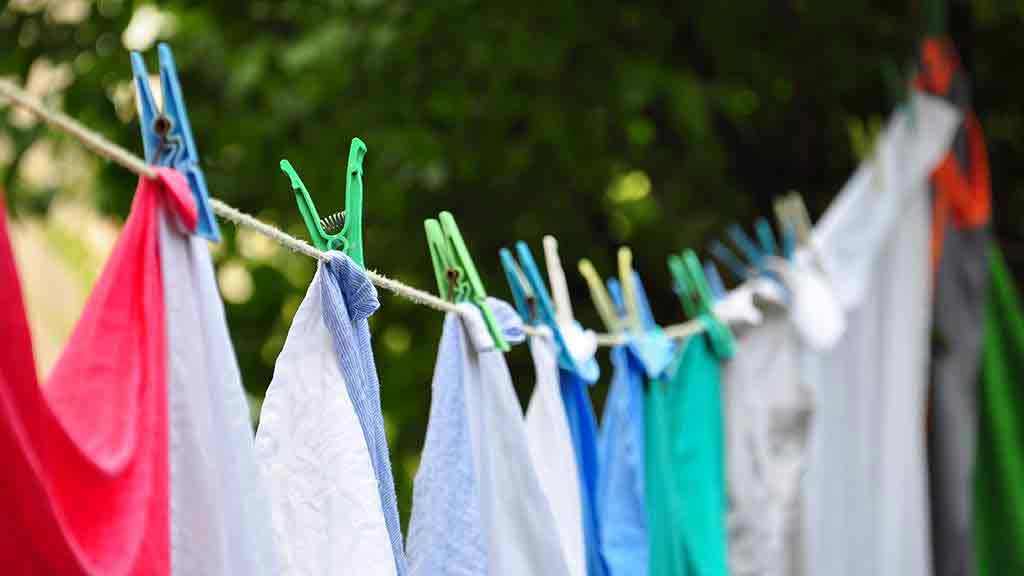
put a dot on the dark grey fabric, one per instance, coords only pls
(961, 285)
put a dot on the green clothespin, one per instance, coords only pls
(681, 285)
(457, 278)
(342, 230)
(721, 337)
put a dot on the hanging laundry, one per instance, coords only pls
(583, 428)
(478, 506)
(349, 300)
(961, 234)
(329, 515)
(219, 507)
(769, 398)
(685, 483)
(867, 506)
(621, 498)
(578, 370)
(999, 476)
(86, 454)
(554, 459)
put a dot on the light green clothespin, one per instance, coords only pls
(599, 294)
(457, 278)
(341, 230)
(625, 261)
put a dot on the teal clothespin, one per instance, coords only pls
(765, 236)
(342, 230)
(457, 278)
(722, 340)
(681, 286)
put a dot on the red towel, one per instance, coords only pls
(84, 485)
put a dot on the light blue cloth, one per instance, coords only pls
(478, 505)
(446, 531)
(621, 504)
(349, 299)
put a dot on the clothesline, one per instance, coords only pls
(104, 148)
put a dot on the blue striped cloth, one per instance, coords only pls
(349, 299)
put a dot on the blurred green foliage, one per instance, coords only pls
(647, 123)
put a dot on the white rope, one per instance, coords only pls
(118, 155)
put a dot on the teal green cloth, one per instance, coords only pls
(685, 475)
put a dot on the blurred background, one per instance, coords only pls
(652, 124)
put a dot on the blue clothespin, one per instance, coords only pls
(167, 135)
(723, 254)
(545, 309)
(522, 294)
(765, 236)
(747, 246)
(714, 280)
(651, 346)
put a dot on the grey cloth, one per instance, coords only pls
(769, 406)
(960, 289)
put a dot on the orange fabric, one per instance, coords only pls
(939, 62)
(963, 198)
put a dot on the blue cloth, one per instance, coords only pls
(446, 492)
(583, 427)
(621, 501)
(349, 299)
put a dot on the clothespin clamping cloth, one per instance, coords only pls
(167, 135)
(341, 230)
(544, 312)
(457, 278)
(695, 294)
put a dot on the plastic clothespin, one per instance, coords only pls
(625, 260)
(457, 278)
(722, 339)
(790, 210)
(714, 280)
(167, 134)
(651, 346)
(588, 369)
(787, 230)
(682, 286)
(765, 236)
(747, 246)
(342, 230)
(602, 300)
(723, 254)
(522, 294)
(545, 307)
(556, 279)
